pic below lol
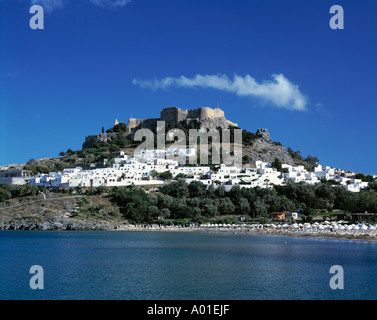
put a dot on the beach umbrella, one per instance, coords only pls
(356, 228)
(364, 227)
(371, 228)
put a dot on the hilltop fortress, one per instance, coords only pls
(263, 149)
(206, 117)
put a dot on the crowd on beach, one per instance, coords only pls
(326, 228)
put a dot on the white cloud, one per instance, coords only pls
(279, 91)
(49, 5)
(110, 3)
(320, 108)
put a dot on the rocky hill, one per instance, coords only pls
(256, 146)
(261, 148)
(265, 150)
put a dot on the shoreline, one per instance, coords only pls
(368, 236)
(364, 235)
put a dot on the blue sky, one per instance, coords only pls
(268, 64)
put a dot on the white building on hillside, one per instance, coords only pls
(139, 169)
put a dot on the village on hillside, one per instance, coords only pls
(157, 166)
(154, 167)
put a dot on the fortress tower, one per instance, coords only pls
(208, 118)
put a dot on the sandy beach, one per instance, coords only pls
(351, 232)
(330, 230)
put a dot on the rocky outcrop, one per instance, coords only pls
(10, 167)
(221, 122)
(263, 135)
(59, 223)
(104, 137)
(265, 150)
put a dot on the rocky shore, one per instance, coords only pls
(55, 224)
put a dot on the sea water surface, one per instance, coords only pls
(183, 265)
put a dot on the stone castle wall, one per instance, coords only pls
(208, 118)
(209, 113)
(176, 115)
(133, 123)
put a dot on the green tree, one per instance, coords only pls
(164, 201)
(165, 213)
(277, 164)
(345, 200)
(4, 194)
(209, 209)
(373, 185)
(220, 191)
(166, 175)
(312, 161)
(89, 158)
(210, 192)
(196, 189)
(121, 141)
(153, 173)
(244, 206)
(260, 209)
(226, 206)
(364, 178)
(153, 212)
(134, 204)
(120, 128)
(73, 159)
(367, 201)
(248, 138)
(176, 189)
(153, 200)
(246, 159)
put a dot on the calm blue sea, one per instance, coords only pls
(175, 266)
